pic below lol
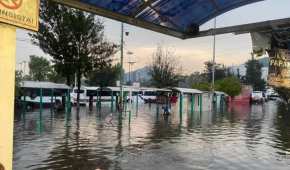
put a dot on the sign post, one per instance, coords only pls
(7, 84)
(23, 14)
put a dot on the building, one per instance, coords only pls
(241, 70)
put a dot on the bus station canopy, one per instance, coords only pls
(178, 18)
(43, 85)
(187, 90)
(30, 88)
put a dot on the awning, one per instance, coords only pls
(187, 91)
(43, 85)
(179, 18)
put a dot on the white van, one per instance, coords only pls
(258, 97)
(85, 95)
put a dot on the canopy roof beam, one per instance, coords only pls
(246, 28)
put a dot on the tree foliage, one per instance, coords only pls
(106, 76)
(229, 85)
(73, 38)
(187, 81)
(18, 79)
(220, 71)
(164, 69)
(254, 74)
(39, 68)
(203, 86)
(53, 76)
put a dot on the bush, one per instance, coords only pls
(202, 86)
(229, 85)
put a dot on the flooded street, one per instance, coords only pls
(244, 137)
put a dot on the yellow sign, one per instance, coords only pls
(20, 13)
(279, 71)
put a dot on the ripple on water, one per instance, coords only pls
(257, 140)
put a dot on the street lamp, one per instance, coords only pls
(122, 64)
(213, 62)
(122, 60)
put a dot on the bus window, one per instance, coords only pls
(76, 91)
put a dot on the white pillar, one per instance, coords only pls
(7, 87)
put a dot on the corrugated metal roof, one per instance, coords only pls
(117, 89)
(154, 89)
(187, 91)
(43, 85)
(180, 18)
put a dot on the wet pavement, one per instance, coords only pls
(241, 137)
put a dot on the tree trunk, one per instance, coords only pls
(79, 88)
(68, 80)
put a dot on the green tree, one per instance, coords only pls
(254, 75)
(18, 79)
(229, 85)
(164, 69)
(104, 77)
(220, 71)
(39, 68)
(53, 76)
(203, 86)
(73, 38)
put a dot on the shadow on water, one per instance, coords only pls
(238, 137)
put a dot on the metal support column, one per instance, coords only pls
(98, 101)
(51, 99)
(41, 101)
(192, 103)
(122, 65)
(200, 103)
(137, 103)
(68, 105)
(24, 103)
(180, 105)
(112, 102)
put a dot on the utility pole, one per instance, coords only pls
(78, 75)
(213, 65)
(122, 60)
(214, 56)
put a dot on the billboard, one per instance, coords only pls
(279, 69)
(276, 44)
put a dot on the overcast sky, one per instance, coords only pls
(231, 49)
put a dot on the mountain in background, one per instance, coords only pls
(140, 75)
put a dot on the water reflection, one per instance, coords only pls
(239, 137)
(282, 125)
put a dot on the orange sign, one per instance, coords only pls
(20, 13)
(11, 4)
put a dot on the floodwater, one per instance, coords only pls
(243, 137)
